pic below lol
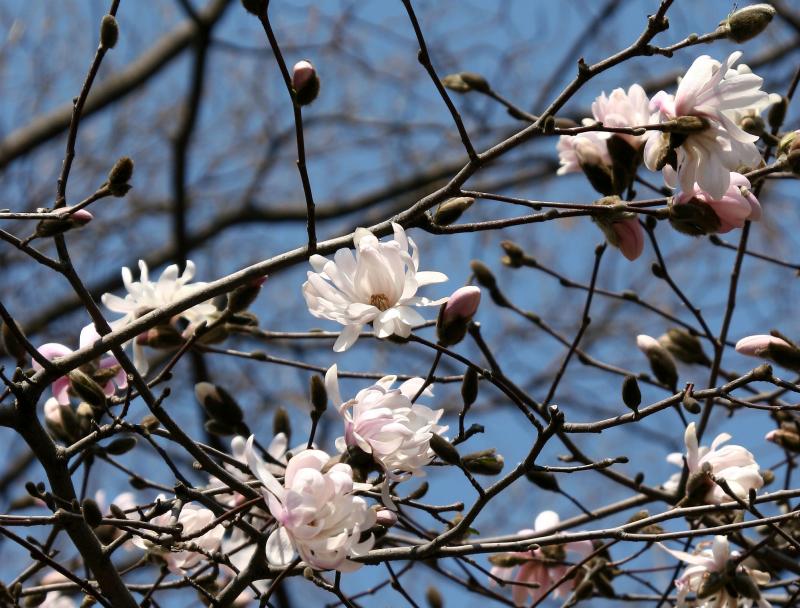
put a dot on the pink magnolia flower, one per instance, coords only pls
(377, 285)
(463, 304)
(577, 150)
(630, 237)
(194, 519)
(758, 345)
(733, 208)
(543, 567)
(715, 92)
(60, 387)
(384, 422)
(623, 109)
(317, 513)
(733, 463)
(712, 574)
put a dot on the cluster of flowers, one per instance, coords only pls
(702, 138)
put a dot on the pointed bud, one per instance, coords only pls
(219, 404)
(483, 274)
(305, 82)
(475, 82)
(694, 217)
(469, 387)
(218, 427)
(454, 82)
(280, 423)
(543, 479)
(161, 336)
(150, 422)
(752, 124)
(514, 254)
(787, 439)
(484, 462)
(748, 22)
(69, 221)
(745, 586)
(451, 209)
(661, 362)
(434, 598)
(240, 298)
(121, 445)
(685, 347)
(86, 388)
(319, 396)
(444, 449)
(109, 32)
(419, 492)
(456, 314)
(385, 518)
(788, 143)
(631, 395)
(777, 113)
(255, 7)
(85, 414)
(596, 171)
(122, 172)
(691, 405)
(91, 512)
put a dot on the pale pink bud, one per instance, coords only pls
(732, 208)
(631, 237)
(756, 346)
(386, 518)
(647, 343)
(81, 217)
(305, 82)
(463, 304)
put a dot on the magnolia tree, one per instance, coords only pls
(159, 449)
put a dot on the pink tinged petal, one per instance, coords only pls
(51, 351)
(280, 550)
(690, 440)
(259, 469)
(631, 237)
(307, 459)
(756, 346)
(61, 390)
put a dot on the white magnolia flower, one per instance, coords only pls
(623, 109)
(733, 463)
(720, 94)
(54, 599)
(384, 422)
(193, 518)
(376, 285)
(577, 150)
(145, 295)
(712, 574)
(318, 516)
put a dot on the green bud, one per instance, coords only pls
(514, 254)
(319, 396)
(748, 22)
(475, 82)
(109, 32)
(631, 395)
(281, 423)
(434, 598)
(86, 388)
(219, 404)
(91, 512)
(121, 445)
(454, 82)
(483, 274)
(122, 172)
(685, 347)
(469, 387)
(484, 462)
(543, 479)
(444, 450)
(451, 209)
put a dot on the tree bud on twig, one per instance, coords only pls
(305, 82)
(433, 597)
(456, 314)
(685, 347)
(475, 82)
(13, 347)
(748, 22)
(91, 512)
(86, 388)
(444, 449)
(451, 209)
(484, 462)
(121, 445)
(280, 423)
(543, 479)
(256, 7)
(469, 386)
(661, 362)
(240, 298)
(631, 395)
(419, 492)
(777, 113)
(121, 172)
(319, 396)
(109, 32)
(52, 227)
(219, 404)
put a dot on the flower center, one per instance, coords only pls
(379, 301)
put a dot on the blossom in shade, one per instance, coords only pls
(145, 295)
(574, 151)
(318, 515)
(54, 599)
(718, 94)
(733, 208)
(758, 345)
(377, 285)
(630, 237)
(623, 109)
(716, 579)
(385, 423)
(733, 463)
(60, 386)
(543, 567)
(193, 518)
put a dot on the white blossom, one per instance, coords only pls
(317, 513)
(712, 574)
(733, 463)
(385, 423)
(145, 295)
(575, 150)
(376, 285)
(623, 109)
(193, 518)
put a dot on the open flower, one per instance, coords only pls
(145, 295)
(575, 151)
(317, 514)
(732, 209)
(714, 92)
(60, 387)
(385, 423)
(623, 109)
(716, 579)
(543, 567)
(194, 519)
(376, 285)
(733, 463)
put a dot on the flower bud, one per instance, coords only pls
(122, 172)
(745, 586)
(543, 479)
(694, 217)
(451, 209)
(484, 462)
(319, 396)
(631, 395)
(748, 22)
(13, 347)
(684, 346)
(444, 449)
(787, 439)
(752, 124)
(385, 518)
(777, 113)
(434, 598)
(514, 254)
(281, 424)
(305, 82)
(240, 298)
(712, 583)
(661, 362)
(596, 171)
(161, 336)
(469, 387)
(483, 275)
(256, 7)
(454, 82)
(219, 404)
(86, 388)
(121, 445)
(456, 314)
(84, 414)
(419, 492)
(788, 143)
(691, 405)
(475, 82)
(109, 32)
(686, 125)
(91, 512)
(52, 227)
